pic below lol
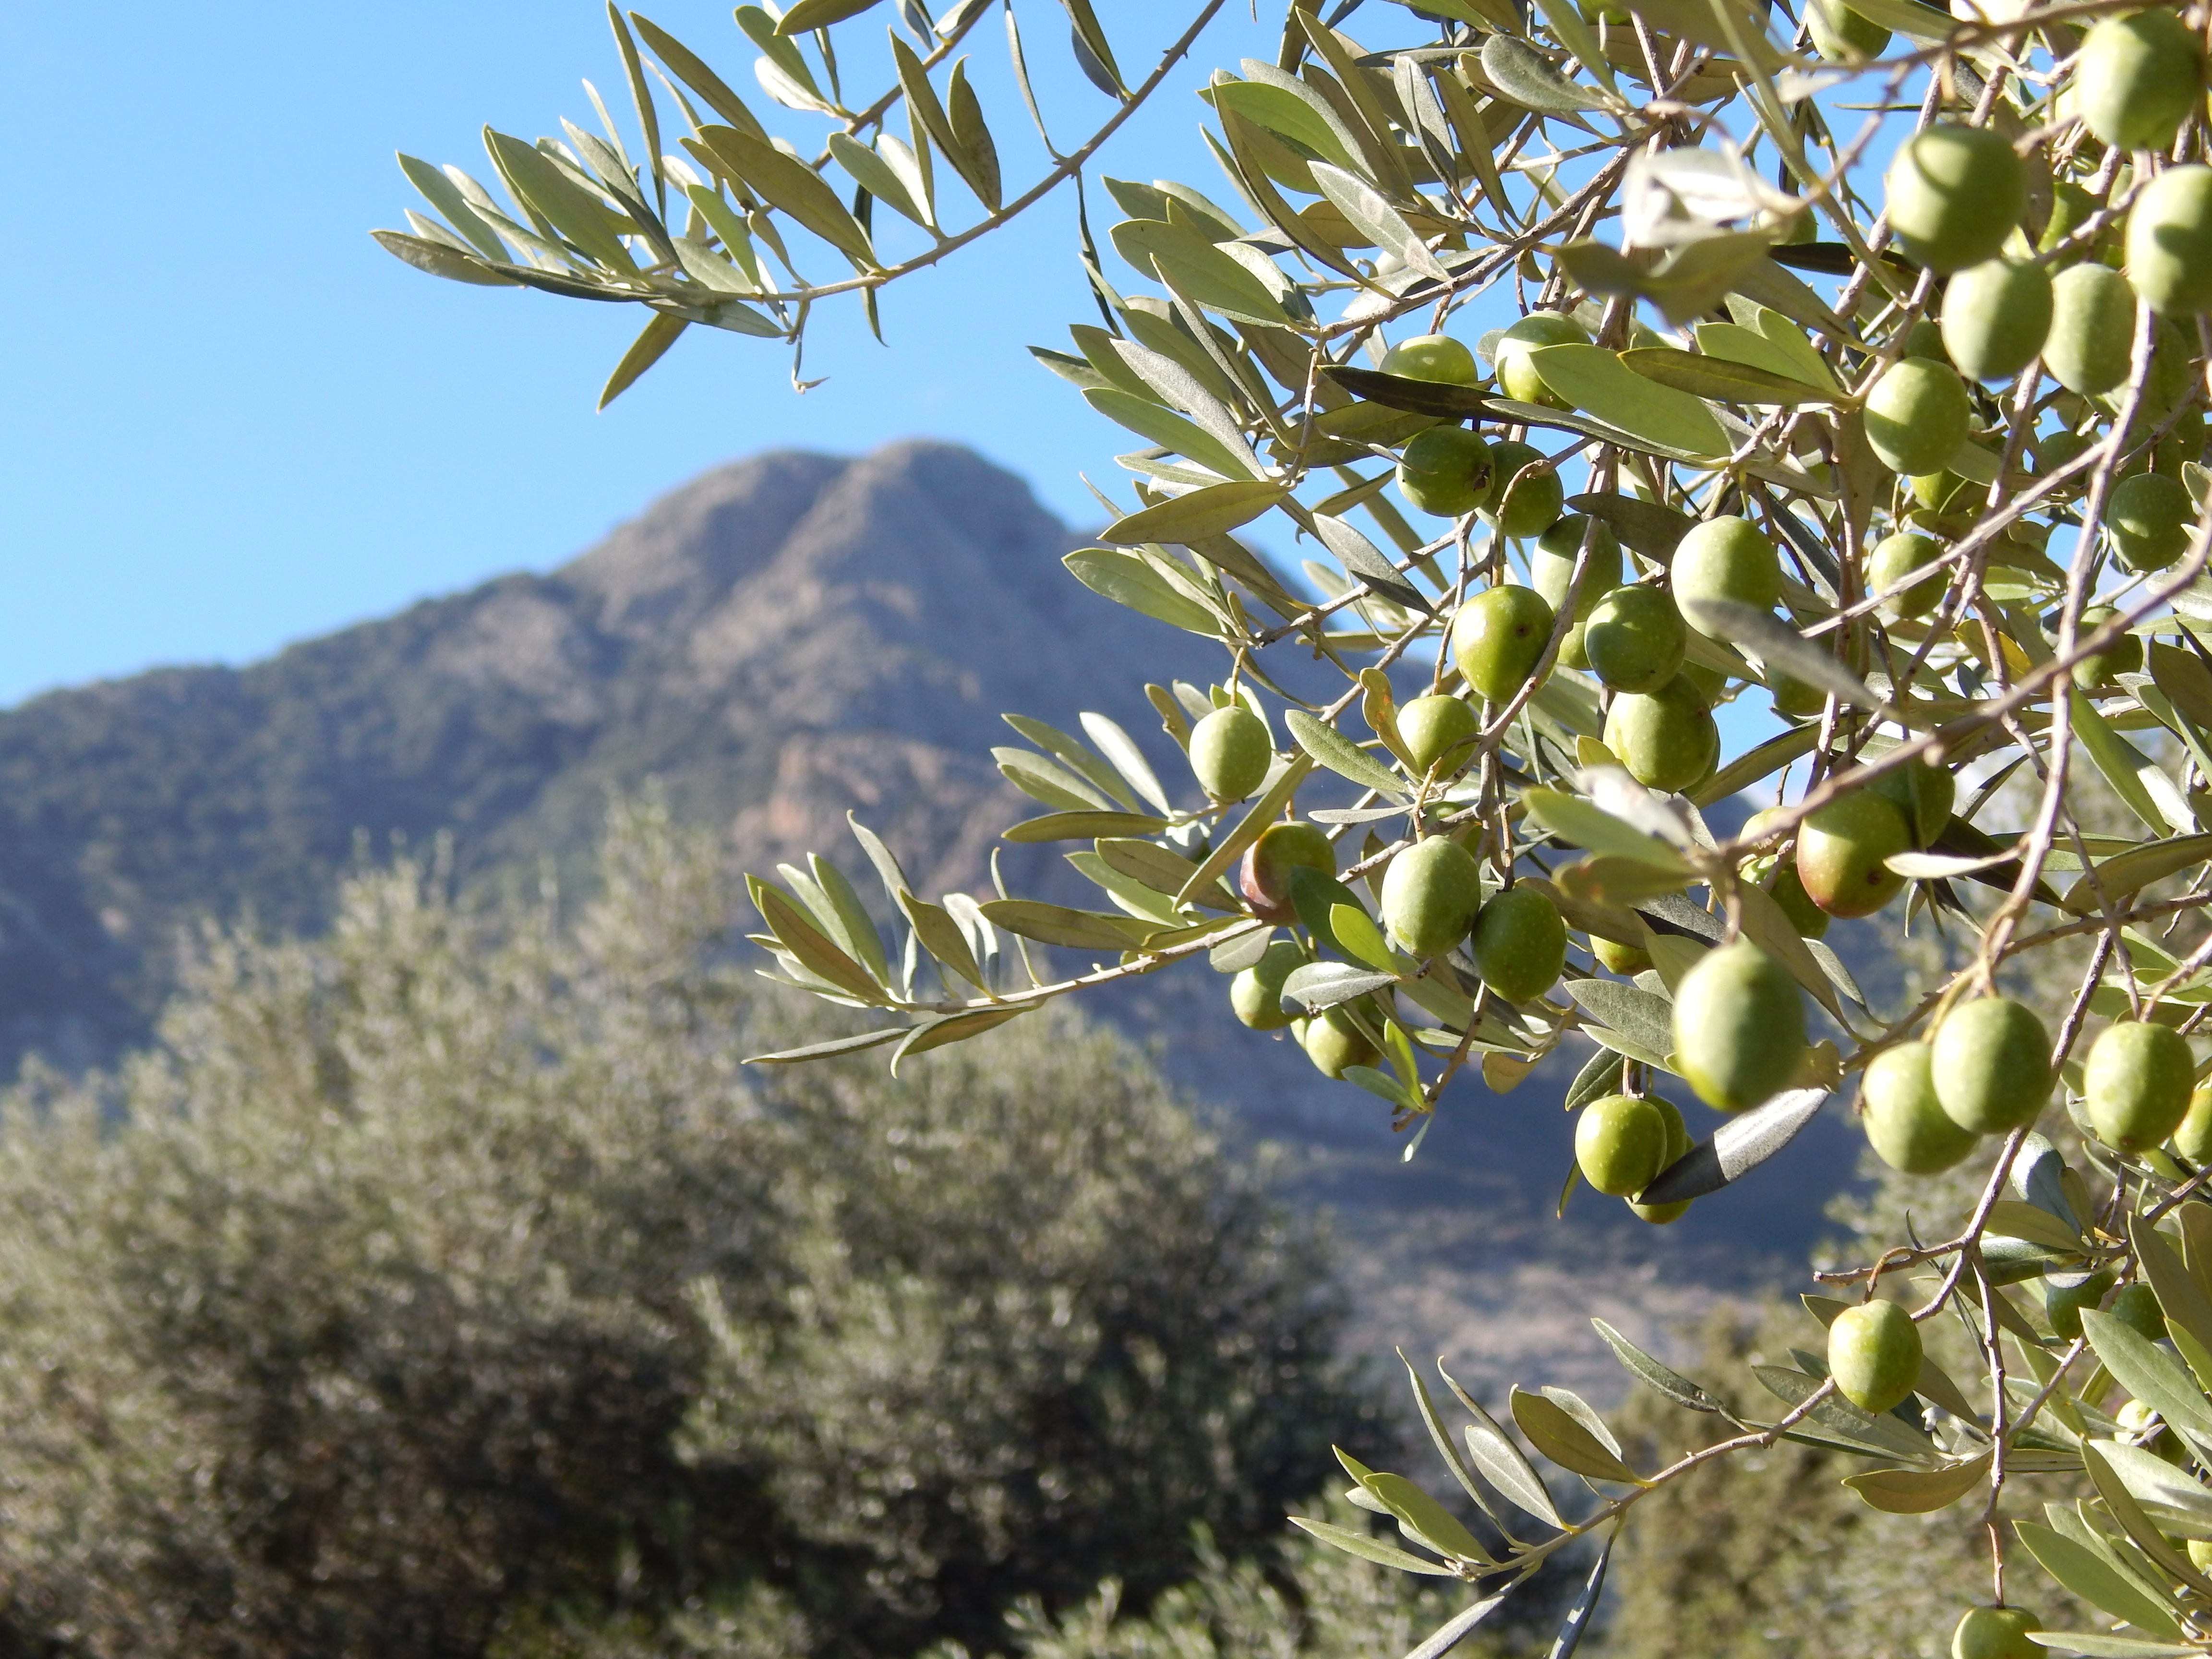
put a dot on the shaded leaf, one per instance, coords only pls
(2084, 1573)
(440, 260)
(1723, 380)
(1652, 1374)
(1212, 510)
(843, 1045)
(1737, 1147)
(1368, 1549)
(1083, 826)
(1557, 1433)
(1057, 924)
(791, 186)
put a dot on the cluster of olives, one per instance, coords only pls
(1433, 902)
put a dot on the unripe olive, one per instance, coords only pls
(1551, 568)
(1229, 753)
(1873, 1354)
(1529, 506)
(1946, 494)
(1264, 877)
(1810, 920)
(1497, 638)
(1841, 849)
(2054, 452)
(2136, 78)
(1924, 794)
(1635, 638)
(1335, 1044)
(1955, 193)
(1727, 558)
(1532, 333)
(1995, 1633)
(1627, 960)
(1991, 1065)
(2101, 668)
(2193, 1139)
(2137, 1084)
(2136, 1307)
(1255, 994)
(2151, 519)
(2071, 208)
(2200, 1552)
(1679, 1145)
(1432, 357)
(1438, 729)
(1444, 470)
(1897, 556)
(1905, 1123)
(1917, 416)
(1666, 739)
(1925, 339)
(2064, 1296)
(1995, 317)
(1739, 1027)
(1620, 1145)
(1797, 699)
(1841, 35)
(1519, 944)
(2170, 241)
(2092, 328)
(1430, 895)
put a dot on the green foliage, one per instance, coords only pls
(1751, 461)
(448, 1275)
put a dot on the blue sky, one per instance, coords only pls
(233, 422)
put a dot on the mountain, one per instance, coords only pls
(777, 640)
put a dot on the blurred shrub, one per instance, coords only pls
(446, 1277)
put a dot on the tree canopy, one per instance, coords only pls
(1853, 382)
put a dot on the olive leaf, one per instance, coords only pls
(1663, 1379)
(1563, 1437)
(1057, 924)
(1527, 77)
(1722, 380)
(2088, 1575)
(1919, 1492)
(1595, 381)
(1358, 1544)
(791, 186)
(1737, 1147)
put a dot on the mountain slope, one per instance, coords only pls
(778, 640)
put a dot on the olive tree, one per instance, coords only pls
(1854, 376)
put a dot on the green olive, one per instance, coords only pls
(2056, 450)
(1335, 1044)
(1873, 1354)
(1438, 730)
(1841, 35)
(1739, 1027)
(1430, 895)
(2136, 1083)
(1945, 493)
(1497, 638)
(1810, 920)
(1666, 739)
(2092, 328)
(2102, 668)
(1551, 572)
(1532, 333)
(1925, 339)
(1264, 877)
(1797, 699)
(2136, 1307)
(1445, 471)
(1627, 960)
(2170, 241)
(1923, 794)
(1995, 1633)
(1841, 849)
(1991, 1065)
(2065, 1295)
(1255, 994)
(1905, 1123)
(1896, 557)
(1917, 416)
(1522, 506)
(1995, 317)
(1620, 1145)
(1432, 357)
(1229, 753)
(1520, 945)
(1679, 1145)
(1727, 558)
(1635, 638)
(2152, 520)
(1955, 193)
(2071, 208)
(2136, 78)
(2193, 1139)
